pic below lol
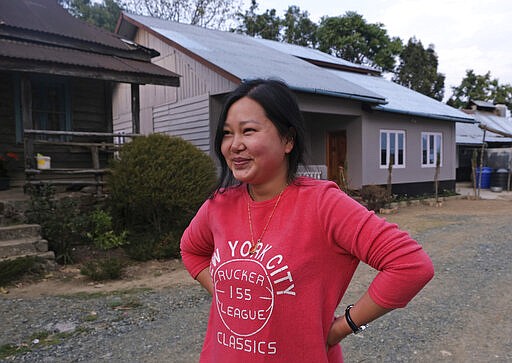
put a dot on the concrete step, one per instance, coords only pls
(23, 246)
(49, 256)
(19, 231)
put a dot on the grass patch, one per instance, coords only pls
(9, 350)
(103, 269)
(126, 303)
(12, 270)
(35, 340)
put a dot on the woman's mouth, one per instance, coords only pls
(239, 163)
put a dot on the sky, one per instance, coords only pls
(467, 34)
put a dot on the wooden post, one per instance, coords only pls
(135, 109)
(95, 157)
(481, 165)
(26, 117)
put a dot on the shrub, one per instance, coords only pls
(375, 196)
(101, 232)
(156, 186)
(11, 270)
(62, 222)
(109, 268)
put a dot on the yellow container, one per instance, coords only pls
(43, 162)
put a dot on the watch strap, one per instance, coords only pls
(356, 329)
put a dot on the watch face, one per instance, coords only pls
(361, 329)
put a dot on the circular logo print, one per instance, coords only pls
(244, 294)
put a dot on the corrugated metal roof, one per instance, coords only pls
(471, 134)
(40, 36)
(48, 16)
(403, 100)
(245, 57)
(18, 50)
(485, 104)
(313, 54)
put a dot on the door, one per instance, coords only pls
(336, 156)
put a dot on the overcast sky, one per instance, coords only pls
(467, 34)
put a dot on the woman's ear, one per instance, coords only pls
(290, 140)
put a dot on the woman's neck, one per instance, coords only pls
(260, 193)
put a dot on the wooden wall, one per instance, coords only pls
(197, 80)
(91, 110)
(187, 119)
(8, 126)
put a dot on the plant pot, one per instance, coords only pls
(5, 182)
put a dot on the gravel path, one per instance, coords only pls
(463, 315)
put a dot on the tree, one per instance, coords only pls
(418, 70)
(266, 25)
(103, 15)
(350, 37)
(480, 87)
(298, 28)
(205, 13)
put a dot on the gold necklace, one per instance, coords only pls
(255, 245)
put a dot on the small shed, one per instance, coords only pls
(492, 129)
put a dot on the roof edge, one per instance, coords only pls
(427, 115)
(125, 17)
(322, 92)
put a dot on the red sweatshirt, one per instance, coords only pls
(277, 305)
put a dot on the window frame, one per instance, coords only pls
(396, 144)
(429, 159)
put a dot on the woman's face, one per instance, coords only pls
(252, 146)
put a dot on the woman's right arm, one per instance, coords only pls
(205, 279)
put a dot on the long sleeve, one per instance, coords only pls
(404, 267)
(197, 242)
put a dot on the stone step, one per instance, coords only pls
(23, 246)
(19, 231)
(49, 256)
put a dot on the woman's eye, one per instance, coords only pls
(227, 132)
(248, 130)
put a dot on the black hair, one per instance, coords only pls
(281, 107)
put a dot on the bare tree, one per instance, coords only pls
(205, 13)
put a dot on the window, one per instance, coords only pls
(50, 105)
(392, 148)
(431, 149)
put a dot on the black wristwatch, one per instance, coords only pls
(356, 329)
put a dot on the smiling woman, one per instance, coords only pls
(277, 252)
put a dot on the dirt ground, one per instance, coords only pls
(162, 274)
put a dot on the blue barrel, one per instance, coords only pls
(486, 177)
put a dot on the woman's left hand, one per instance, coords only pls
(338, 331)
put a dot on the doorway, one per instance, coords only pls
(336, 155)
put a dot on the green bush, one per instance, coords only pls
(12, 270)
(375, 196)
(101, 232)
(156, 186)
(109, 268)
(62, 222)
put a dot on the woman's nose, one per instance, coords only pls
(237, 144)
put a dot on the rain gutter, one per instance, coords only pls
(428, 115)
(380, 101)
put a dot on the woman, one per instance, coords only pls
(277, 252)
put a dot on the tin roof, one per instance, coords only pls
(472, 134)
(403, 100)
(40, 36)
(244, 57)
(303, 68)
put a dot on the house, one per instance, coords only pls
(357, 121)
(57, 75)
(492, 127)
